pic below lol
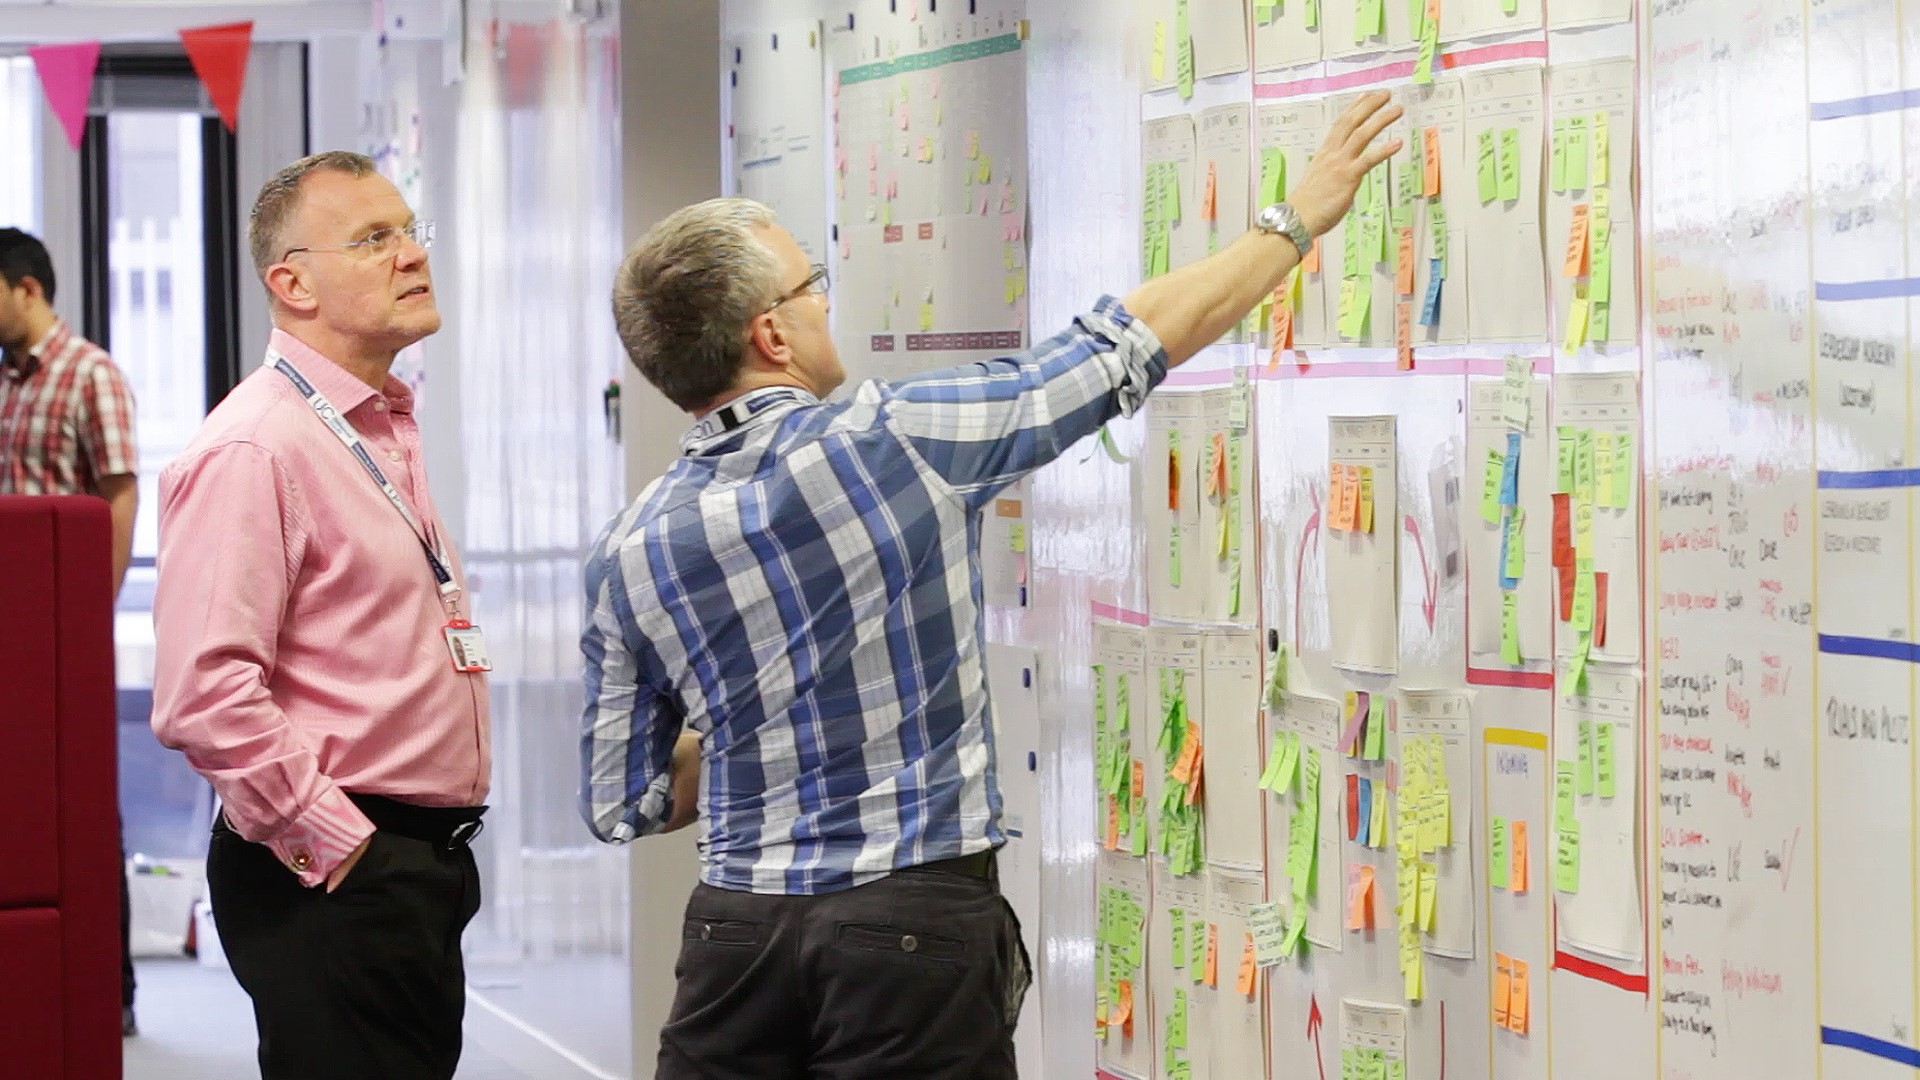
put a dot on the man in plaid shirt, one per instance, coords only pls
(790, 620)
(66, 428)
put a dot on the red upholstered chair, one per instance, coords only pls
(59, 854)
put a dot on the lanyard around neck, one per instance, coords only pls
(337, 423)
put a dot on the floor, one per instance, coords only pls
(196, 1024)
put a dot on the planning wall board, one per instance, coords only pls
(1599, 763)
(777, 109)
(930, 183)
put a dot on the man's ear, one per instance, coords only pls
(289, 287)
(767, 341)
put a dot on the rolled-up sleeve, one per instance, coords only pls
(628, 729)
(981, 426)
(231, 531)
(106, 427)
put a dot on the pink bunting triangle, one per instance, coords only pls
(66, 76)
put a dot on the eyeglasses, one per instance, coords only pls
(816, 283)
(380, 242)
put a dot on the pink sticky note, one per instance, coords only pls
(873, 155)
(840, 158)
(983, 206)
(903, 118)
(873, 183)
(893, 187)
(846, 250)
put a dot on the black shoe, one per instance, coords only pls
(128, 1029)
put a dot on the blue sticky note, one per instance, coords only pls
(1430, 307)
(1366, 811)
(1510, 475)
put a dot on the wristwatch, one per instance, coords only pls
(1285, 220)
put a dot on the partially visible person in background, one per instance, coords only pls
(66, 428)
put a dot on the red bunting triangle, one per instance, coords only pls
(66, 75)
(219, 55)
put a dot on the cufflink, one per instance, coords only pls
(302, 859)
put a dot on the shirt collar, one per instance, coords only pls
(742, 412)
(23, 366)
(338, 384)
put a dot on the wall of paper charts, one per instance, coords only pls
(1496, 656)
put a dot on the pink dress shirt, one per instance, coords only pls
(300, 651)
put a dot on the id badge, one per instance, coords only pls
(467, 647)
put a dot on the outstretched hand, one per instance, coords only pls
(1325, 194)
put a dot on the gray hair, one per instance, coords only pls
(684, 295)
(279, 198)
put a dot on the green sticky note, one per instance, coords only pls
(1499, 863)
(1516, 544)
(1177, 918)
(1182, 49)
(1603, 775)
(1139, 833)
(1562, 794)
(1599, 324)
(1378, 178)
(1509, 164)
(1583, 472)
(1566, 859)
(1583, 767)
(1313, 14)
(1376, 746)
(1273, 175)
(1623, 469)
(1559, 166)
(1276, 677)
(1510, 7)
(1350, 1063)
(1169, 192)
(1600, 265)
(1510, 628)
(1406, 179)
(1490, 486)
(1417, 16)
(1441, 238)
(1397, 1069)
(1177, 1021)
(1583, 602)
(1429, 48)
(1289, 765)
(1197, 947)
(1577, 153)
(1489, 169)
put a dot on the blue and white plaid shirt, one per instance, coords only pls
(802, 588)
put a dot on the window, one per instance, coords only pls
(20, 131)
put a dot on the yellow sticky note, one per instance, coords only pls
(1602, 150)
(1576, 325)
(973, 145)
(1366, 498)
(1377, 825)
(1429, 894)
(1158, 66)
(1603, 467)
(926, 315)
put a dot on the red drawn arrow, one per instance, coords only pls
(1432, 601)
(1313, 1032)
(1300, 562)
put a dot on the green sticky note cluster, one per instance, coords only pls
(1303, 836)
(1162, 213)
(1282, 763)
(1180, 821)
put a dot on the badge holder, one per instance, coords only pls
(467, 647)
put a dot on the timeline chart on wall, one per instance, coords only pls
(1513, 563)
(1238, 1032)
(1591, 227)
(1506, 270)
(1305, 817)
(1733, 539)
(1184, 40)
(1862, 109)
(1597, 843)
(1436, 154)
(930, 174)
(1518, 770)
(1363, 543)
(1596, 433)
(1123, 739)
(1198, 484)
(1436, 735)
(1188, 959)
(1123, 949)
(778, 117)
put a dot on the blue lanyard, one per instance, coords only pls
(337, 423)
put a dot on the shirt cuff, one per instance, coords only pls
(1136, 350)
(321, 838)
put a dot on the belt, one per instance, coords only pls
(980, 864)
(442, 826)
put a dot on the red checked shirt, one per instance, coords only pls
(66, 418)
(299, 646)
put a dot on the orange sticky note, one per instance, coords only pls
(1517, 856)
(1403, 267)
(1566, 592)
(1209, 206)
(1113, 823)
(1282, 329)
(1430, 182)
(1311, 264)
(1211, 974)
(1502, 987)
(1244, 982)
(1349, 514)
(1359, 897)
(1599, 608)
(1576, 261)
(1173, 480)
(1123, 1008)
(1336, 483)
(1195, 768)
(1517, 1004)
(1139, 778)
(1219, 479)
(1403, 334)
(1189, 753)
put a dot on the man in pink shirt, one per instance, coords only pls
(315, 661)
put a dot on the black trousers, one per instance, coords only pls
(363, 983)
(126, 928)
(920, 974)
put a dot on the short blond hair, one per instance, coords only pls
(279, 199)
(684, 295)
